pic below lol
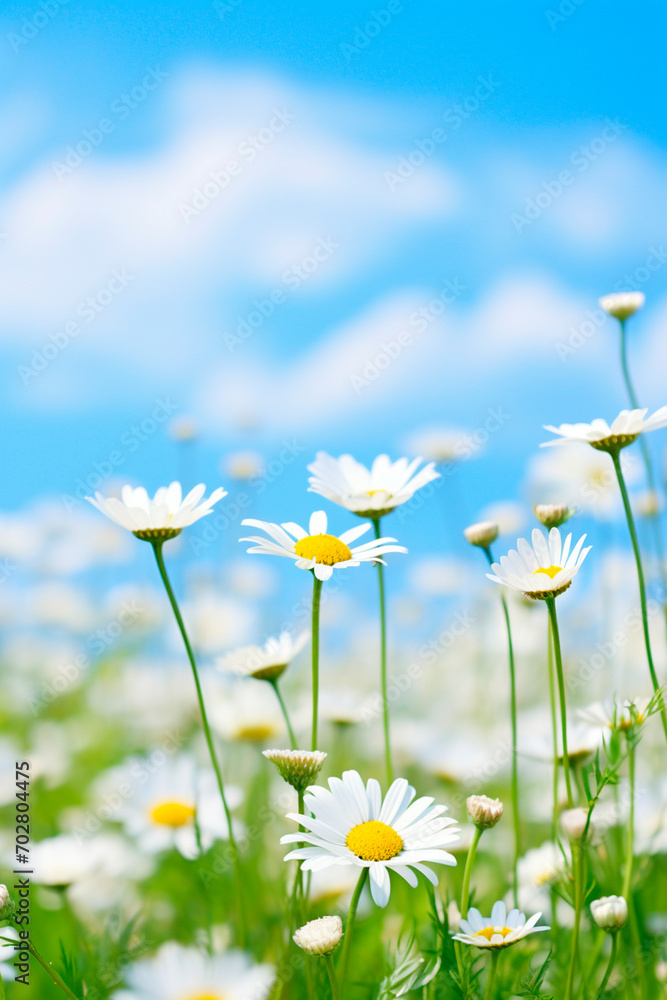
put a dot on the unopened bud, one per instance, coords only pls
(610, 912)
(483, 534)
(483, 811)
(622, 304)
(298, 768)
(552, 515)
(319, 937)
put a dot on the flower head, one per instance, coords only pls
(541, 570)
(267, 662)
(299, 768)
(319, 550)
(368, 492)
(553, 515)
(624, 429)
(622, 304)
(352, 825)
(619, 718)
(483, 811)
(482, 534)
(499, 930)
(319, 937)
(610, 912)
(574, 822)
(164, 516)
(7, 904)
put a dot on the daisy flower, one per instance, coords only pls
(266, 662)
(316, 549)
(368, 492)
(352, 825)
(621, 305)
(164, 516)
(541, 570)
(180, 973)
(619, 718)
(622, 431)
(499, 930)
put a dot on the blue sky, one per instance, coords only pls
(484, 110)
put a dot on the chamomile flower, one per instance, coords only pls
(541, 570)
(266, 662)
(352, 825)
(622, 431)
(174, 804)
(499, 930)
(316, 549)
(621, 305)
(176, 972)
(368, 492)
(164, 516)
(619, 718)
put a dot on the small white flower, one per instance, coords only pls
(7, 905)
(623, 430)
(617, 717)
(352, 825)
(315, 549)
(541, 570)
(266, 662)
(368, 492)
(180, 973)
(164, 516)
(319, 937)
(483, 534)
(499, 930)
(622, 304)
(483, 811)
(610, 912)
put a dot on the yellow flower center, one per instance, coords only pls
(255, 732)
(549, 570)
(325, 549)
(172, 814)
(374, 841)
(371, 493)
(488, 932)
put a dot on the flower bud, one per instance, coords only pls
(552, 515)
(482, 534)
(610, 912)
(574, 822)
(319, 937)
(298, 768)
(7, 904)
(483, 811)
(622, 304)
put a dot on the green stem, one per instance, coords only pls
(610, 966)
(495, 955)
(578, 873)
(631, 825)
(470, 860)
(383, 662)
(551, 606)
(515, 749)
(335, 994)
(317, 594)
(616, 459)
(157, 549)
(352, 912)
(283, 709)
(554, 736)
(52, 972)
